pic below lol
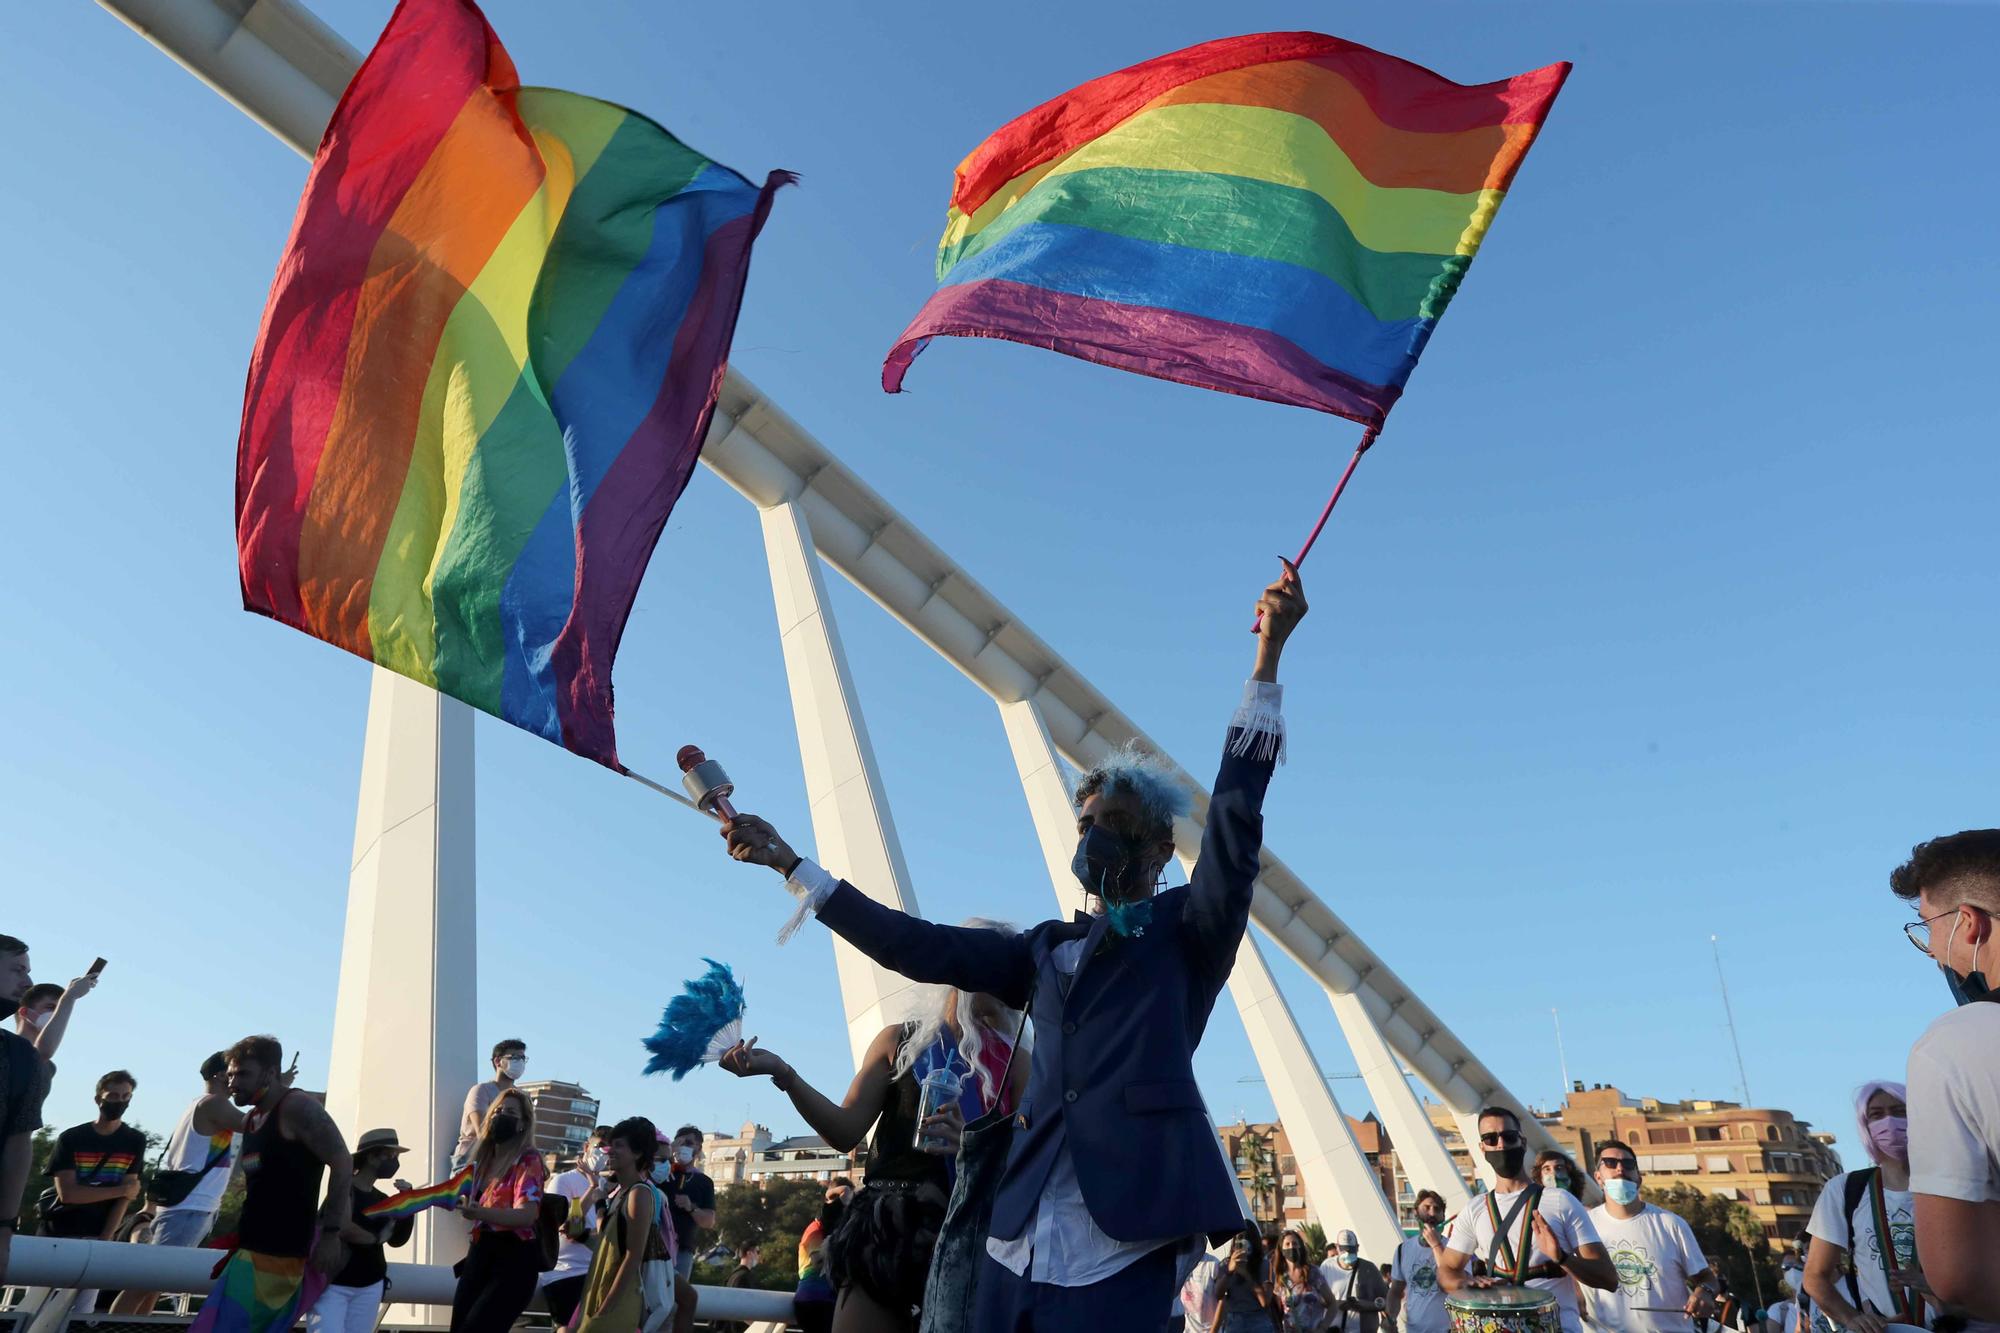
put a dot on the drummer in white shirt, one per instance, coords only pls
(1525, 1235)
(1664, 1282)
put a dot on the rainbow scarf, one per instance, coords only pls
(259, 1293)
(445, 1194)
(1282, 215)
(484, 375)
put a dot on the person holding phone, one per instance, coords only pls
(46, 1009)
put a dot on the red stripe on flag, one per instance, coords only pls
(365, 164)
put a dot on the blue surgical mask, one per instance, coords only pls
(662, 1171)
(1621, 1191)
(1972, 987)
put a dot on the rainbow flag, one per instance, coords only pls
(445, 1194)
(1282, 215)
(484, 375)
(259, 1293)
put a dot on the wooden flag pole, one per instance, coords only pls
(1367, 440)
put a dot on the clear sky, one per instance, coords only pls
(1665, 607)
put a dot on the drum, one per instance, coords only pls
(1503, 1310)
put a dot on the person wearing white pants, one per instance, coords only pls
(346, 1309)
(353, 1299)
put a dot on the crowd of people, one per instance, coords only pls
(1038, 1155)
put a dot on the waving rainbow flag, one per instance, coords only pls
(484, 375)
(1283, 215)
(444, 1194)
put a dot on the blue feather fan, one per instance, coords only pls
(700, 1023)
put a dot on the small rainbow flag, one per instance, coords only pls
(1281, 215)
(445, 1194)
(484, 375)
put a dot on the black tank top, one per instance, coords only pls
(281, 1190)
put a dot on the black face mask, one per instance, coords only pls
(829, 1212)
(1108, 864)
(1506, 1162)
(8, 1007)
(113, 1110)
(1295, 1254)
(506, 1127)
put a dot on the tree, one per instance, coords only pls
(1730, 1235)
(1315, 1239)
(771, 1217)
(1257, 1160)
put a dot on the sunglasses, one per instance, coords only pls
(1506, 1138)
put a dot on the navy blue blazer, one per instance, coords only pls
(1113, 1069)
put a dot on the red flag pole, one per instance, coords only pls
(1367, 439)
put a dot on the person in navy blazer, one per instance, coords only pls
(1114, 1181)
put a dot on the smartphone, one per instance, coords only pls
(96, 967)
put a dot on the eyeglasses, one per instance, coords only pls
(1919, 932)
(1506, 1138)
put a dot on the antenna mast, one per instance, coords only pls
(1742, 1077)
(1561, 1057)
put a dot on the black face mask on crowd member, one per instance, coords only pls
(830, 1211)
(506, 1127)
(1506, 1162)
(8, 1007)
(113, 1110)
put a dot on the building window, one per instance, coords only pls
(1746, 1131)
(1707, 1133)
(1669, 1134)
(1771, 1133)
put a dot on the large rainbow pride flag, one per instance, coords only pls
(1282, 215)
(484, 374)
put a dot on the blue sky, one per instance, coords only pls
(1664, 607)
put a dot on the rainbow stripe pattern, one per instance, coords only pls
(484, 375)
(445, 1194)
(1281, 215)
(259, 1293)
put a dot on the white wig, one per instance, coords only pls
(1133, 770)
(926, 1019)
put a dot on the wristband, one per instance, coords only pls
(797, 860)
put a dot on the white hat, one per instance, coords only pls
(1347, 1240)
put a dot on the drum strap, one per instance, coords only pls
(1502, 1257)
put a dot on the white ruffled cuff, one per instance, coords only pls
(1257, 729)
(812, 886)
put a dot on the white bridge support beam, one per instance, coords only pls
(1342, 1188)
(853, 833)
(1425, 1160)
(405, 1019)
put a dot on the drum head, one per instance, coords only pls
(1498, 1299)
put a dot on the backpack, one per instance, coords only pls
(1857, 1190)
(550, 1216)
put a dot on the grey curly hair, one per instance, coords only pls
(1133, 770)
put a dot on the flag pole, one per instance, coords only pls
(1367, 440)
(665, 791)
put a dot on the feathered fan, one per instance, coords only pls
(700, 1023)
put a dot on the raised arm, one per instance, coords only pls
(842, 1124)
(215, 1113)
(49, 1039)
(1219, 887)
(973, 959)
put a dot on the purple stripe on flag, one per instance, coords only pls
(1166, 344)
(621, 524)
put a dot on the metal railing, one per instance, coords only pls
(44, 1261)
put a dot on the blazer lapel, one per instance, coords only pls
(1091, 943)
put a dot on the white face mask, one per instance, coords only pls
(684, 1155)
(515, 1067)
(595, 1159)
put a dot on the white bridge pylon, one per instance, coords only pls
(285, 69)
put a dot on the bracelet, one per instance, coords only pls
(797, 861)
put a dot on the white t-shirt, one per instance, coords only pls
(1655, 1254)
(1473, 1234)
(1783, 1317)
(1865, 1248)
(1955, 1106)
(1423, 1299)
(572, 1258)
